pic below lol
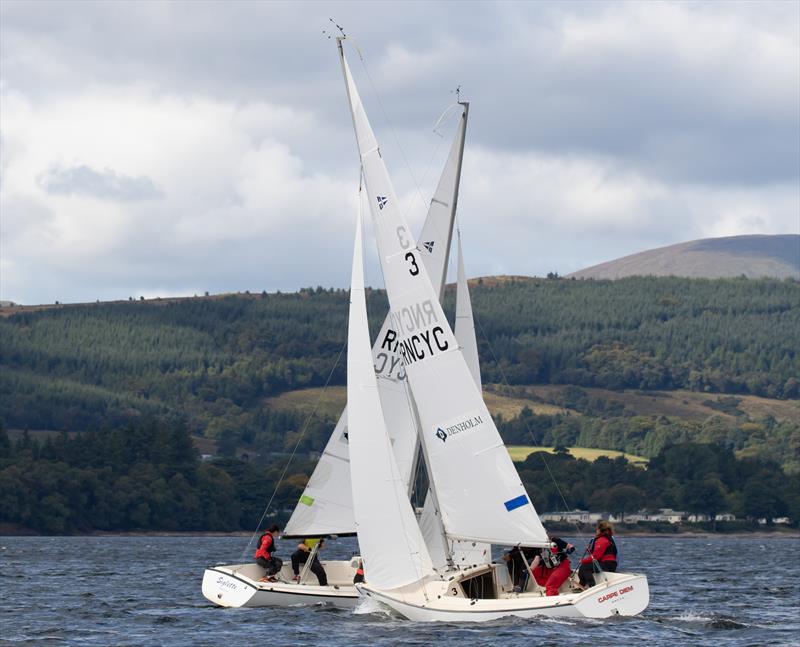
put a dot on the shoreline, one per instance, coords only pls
(790, 533)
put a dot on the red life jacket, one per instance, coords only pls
(609, 551)
(266, 546)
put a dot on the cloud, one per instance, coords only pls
(236, 208)
(176, 148)
(108, 185)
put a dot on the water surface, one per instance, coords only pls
(146, 591)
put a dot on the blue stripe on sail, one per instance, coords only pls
(518, 502)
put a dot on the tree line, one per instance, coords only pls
(696, 478)
(147, 477)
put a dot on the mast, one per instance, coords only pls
(421, 445)
(454, 201)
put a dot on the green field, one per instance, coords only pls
(329, 402)
(519, 453)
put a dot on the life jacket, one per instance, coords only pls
(553, 556)
(610, 553)
(266, 546)
(359, 576)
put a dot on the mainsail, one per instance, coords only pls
(480, 495)
(391, 544)
(456, 552)
(326, 506)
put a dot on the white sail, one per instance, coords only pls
(437, 232)
(392, 547)
(326, 506)
(465, 325)
(468, 461)
(456, 552)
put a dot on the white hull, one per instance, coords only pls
(623, 594)
(238, 585)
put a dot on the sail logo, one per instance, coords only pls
(429, 246)
(382, 202)
(458, 426)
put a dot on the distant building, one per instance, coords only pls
(702, 518)
(667, 515)
(664, 515)
(573, 516)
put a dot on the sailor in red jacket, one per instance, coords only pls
(551, 566)
(264, 554)
(601, 550)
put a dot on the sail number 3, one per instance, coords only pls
(414, 269)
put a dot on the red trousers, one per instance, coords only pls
(552, 578)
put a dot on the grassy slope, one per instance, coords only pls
(519, 453)
(329, 403)
(688, 405)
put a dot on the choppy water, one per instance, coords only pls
(146, 591)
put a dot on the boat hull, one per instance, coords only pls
(624, 595)
(238, 585)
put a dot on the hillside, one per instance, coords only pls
(750, 256)
(222, 364)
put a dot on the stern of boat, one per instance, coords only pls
(621, 596)
(226, 590)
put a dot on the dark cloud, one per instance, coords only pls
(702, 93)
(105, 185)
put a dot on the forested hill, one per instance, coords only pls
(751, 256)
(211, 361)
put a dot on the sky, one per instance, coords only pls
(176, 148)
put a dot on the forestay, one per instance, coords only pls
(391, 544)
(479, 492)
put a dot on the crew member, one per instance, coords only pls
(551, 567)
(300, 556)
(516, 565)
(359, 576)
(265, 554)
(602, 551)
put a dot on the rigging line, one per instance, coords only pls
(417, 184)
(525, 422)
(294, 449)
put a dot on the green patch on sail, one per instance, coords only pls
(307, 500)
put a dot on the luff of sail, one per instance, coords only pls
(391, 544)
(326, 506)
(480, 495)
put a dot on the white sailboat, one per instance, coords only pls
(475, 489)
(325, 508)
